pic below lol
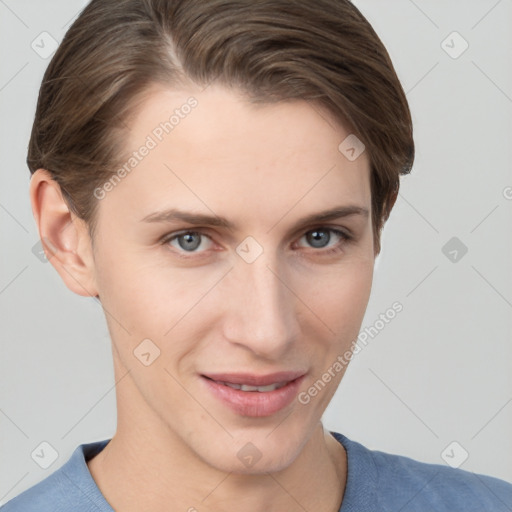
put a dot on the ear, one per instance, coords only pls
(64, 236)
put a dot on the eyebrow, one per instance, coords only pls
(172, 215)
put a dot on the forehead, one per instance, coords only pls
(213, 145)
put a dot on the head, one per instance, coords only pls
(259, 116)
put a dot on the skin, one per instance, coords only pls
(295, 307)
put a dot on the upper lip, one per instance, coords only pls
(255, 380)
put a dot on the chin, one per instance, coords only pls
(272, 464)
(245, 457)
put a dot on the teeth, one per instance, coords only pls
(261, 389)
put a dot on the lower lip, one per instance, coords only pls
(254, 403)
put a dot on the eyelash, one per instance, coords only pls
(345, 238)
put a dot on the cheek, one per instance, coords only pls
(340, 294)
(339, 300)
(146, 297)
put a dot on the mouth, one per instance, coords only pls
(249, 399)
(255, 381)
(248, 387)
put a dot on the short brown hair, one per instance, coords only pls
(323, 51)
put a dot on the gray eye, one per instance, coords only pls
(189, 241)
(318, 237)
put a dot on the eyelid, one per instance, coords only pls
(169, 237)
(344, 233)
(342, 229)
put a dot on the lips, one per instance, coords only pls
(261, 389)
(247, 401)
(279, 378)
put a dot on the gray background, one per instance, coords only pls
(438, 372)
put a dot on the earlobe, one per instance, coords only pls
(64, 236)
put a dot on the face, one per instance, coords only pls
(208, 261)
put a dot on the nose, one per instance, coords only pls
(261, 310)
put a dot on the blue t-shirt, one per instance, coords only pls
(376, 482)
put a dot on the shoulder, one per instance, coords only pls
(396, 482)
(69, 488)
(439, 487)
(42, 497)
